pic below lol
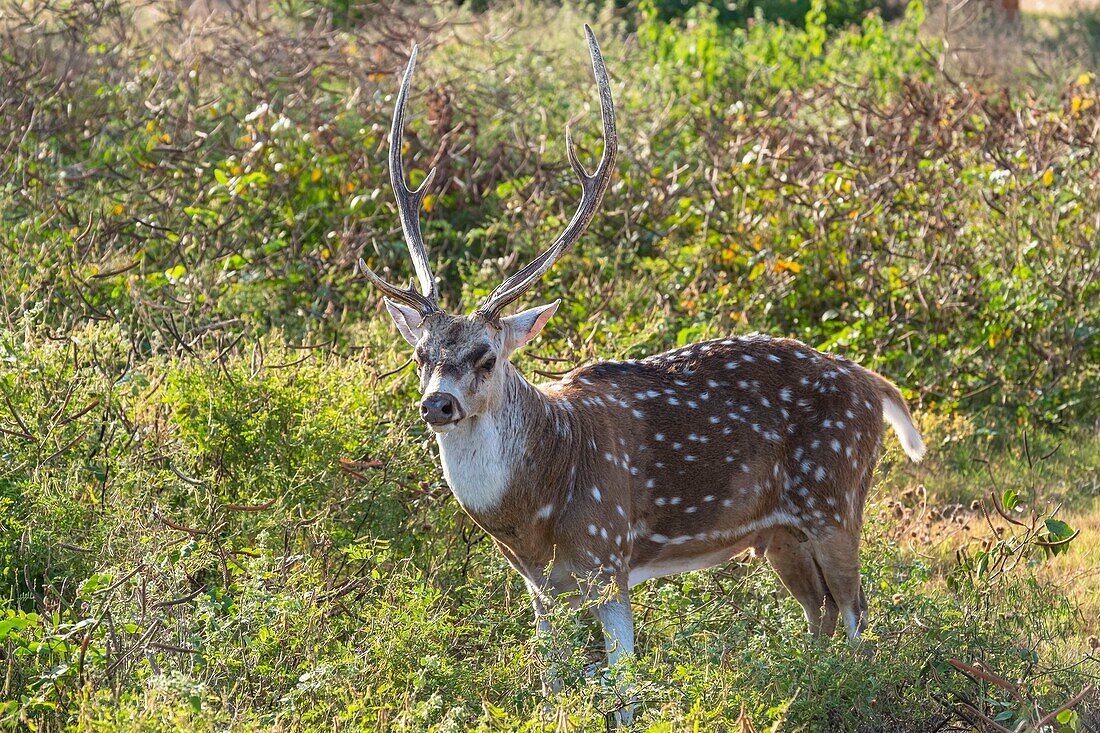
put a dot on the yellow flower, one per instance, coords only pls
(1048, 177)
(315, 175)
(119, 208)
(1085, 79)
(781, 265)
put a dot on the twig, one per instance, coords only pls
(179, 601)
(1051, 716)
(1058, 543)
(179, 527)
(251, 508)
(1001, 511)
(988, 677)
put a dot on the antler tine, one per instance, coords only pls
(408, 200)
(409, 296)
(593, 187)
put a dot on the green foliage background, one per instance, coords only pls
(219, 510)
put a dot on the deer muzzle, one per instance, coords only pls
(440, 408)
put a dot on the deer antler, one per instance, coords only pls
(593, 187)
(409, 201)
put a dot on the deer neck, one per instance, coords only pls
(487, 455)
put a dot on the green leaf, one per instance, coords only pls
(1067, 717)
(983, 564)
(1009, 500)
(1058, 529)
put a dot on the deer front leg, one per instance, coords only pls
(618, 634)
(545, 642)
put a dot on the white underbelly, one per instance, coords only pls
(660, 568)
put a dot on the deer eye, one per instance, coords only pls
(487, 365)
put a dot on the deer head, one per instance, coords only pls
(462, 360)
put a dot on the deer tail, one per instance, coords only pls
(896, 412)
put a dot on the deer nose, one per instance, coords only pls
(440, 408)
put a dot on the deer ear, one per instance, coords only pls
(407, 319)
(522, 327)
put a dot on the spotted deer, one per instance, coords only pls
(630, 470)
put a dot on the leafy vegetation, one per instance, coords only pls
(220, 510)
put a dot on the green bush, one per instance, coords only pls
(838, 13)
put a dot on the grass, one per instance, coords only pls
(219, 511)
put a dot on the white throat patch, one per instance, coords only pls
(476, 462)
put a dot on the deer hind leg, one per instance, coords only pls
(793, 560)
(837, 555)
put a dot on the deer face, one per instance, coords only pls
(462, 360)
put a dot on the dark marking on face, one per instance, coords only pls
(474, 357)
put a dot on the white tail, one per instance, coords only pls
(897, 414)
